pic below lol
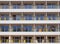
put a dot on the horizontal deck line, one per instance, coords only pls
(29, 10)
(30, 22)
(29, 33)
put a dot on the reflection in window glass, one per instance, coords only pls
(4, 28)
(28, 17)
(16, 17)
(40, 39)
(52, 17)
(16, 28)
(39, 28)
(28, 6)
(4, 17)
(4, 6)
(16, 39)
(16, 6)
(39, 17)
(51, 6)
(51, 39)
(28, 28)
(51, 28)
(40, 6)
(4, 39)
(27, 39)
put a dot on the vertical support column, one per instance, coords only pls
(46, 4)
(46, 28)
(34, 18)
(56, 41)
(10, 6)
(0, 16)
(10, 39)
(22, 41)
(10, 16)
(58, 28)
(46, 39)
(33, 28)
(46, 16)
(58, 4)
(22, 16)
(0, 28)
(58, 38)
(34, 40)
(1, 7)
(0, 39)
(10, 28)
(21, 27)
(22, 5)
(58, 16)
(34, 5)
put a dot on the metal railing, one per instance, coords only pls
(32, 41)
(33, 30)
(32, 7)
(33, 18)
(4, 41)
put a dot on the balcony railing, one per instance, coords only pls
(52, 6)
(40, 40)
(31, 18)
(16, 41)
(32, 30)
(31, 7)
(4, 41)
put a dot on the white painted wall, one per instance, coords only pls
(29, 33)
(29, 10)
(30, 22)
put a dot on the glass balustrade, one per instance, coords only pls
(27, 39)
(30, 28)
(16, 28)
(27, 28)
(4, 28)
(16, 39)
(30, 39)
(5, 6)
(15, 6)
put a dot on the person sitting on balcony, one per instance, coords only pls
(52, 28)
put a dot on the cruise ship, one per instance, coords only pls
(29, 21)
